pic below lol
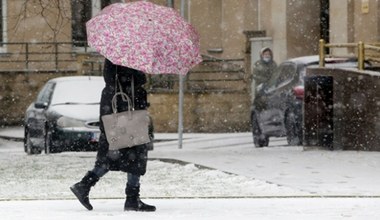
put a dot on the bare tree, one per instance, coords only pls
(55, 14)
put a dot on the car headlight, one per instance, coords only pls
(65, 122)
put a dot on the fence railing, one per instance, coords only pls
(40, 56)
(369, 51)
(65, 57)
(212, 74)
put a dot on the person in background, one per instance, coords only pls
(262, 72)
(132, 160)
(263, 68)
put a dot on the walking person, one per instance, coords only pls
(263, 70)
(264, 67)
(132, 160)
(262, 73)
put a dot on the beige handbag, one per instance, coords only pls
(126, 129)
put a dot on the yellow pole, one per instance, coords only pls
(321, 53)
(361, 55)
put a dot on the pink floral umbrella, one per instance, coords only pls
(145, 36)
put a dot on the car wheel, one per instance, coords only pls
(262, 141)
(28, 145)
(25, 139)
(150, 145)
(259, 139)
(48, 142)
(293, 130)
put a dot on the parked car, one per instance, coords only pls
(277, 109)
(64, 116)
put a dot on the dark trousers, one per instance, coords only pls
(133, 179)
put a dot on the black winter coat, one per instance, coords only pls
(132, 160)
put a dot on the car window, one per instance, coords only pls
(45, 94)
(287, 72)
(272, 81)
(302, 73)
(81, 91)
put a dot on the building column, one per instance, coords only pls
(341, 25)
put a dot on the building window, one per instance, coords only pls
(3, 24)
(82, 11)
(104, 3)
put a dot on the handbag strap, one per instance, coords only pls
(133, 92)
(124, 96)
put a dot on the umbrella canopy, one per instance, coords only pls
(145, 36)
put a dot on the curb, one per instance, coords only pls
(11, 138)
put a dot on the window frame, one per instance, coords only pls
(46, 93)
(78, 21)
(275, 84)
(280, 82)
(96, 6)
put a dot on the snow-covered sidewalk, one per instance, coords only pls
(213, 176)
(200, 209)
(49, 176)
(315, 171)
(312, 171)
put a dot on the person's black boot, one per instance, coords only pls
(82, 188)
(133, 202)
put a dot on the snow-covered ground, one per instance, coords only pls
(223, 177)
(194, 209)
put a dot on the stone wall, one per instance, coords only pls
(17, 91)
(202, 112)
